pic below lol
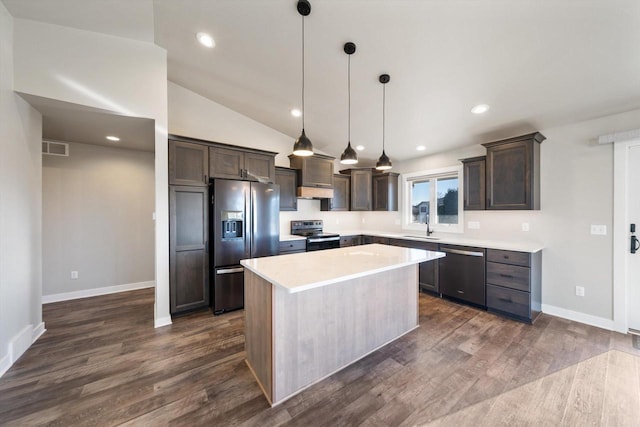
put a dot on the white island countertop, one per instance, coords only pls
(309, 270)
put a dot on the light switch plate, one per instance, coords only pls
(600, 230)
(74, 275)
(525, 226)
(473, 225)
(580, 291)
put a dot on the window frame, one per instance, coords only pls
(408, 178)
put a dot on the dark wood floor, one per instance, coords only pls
(101, 362)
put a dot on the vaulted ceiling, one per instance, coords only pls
(537, 63)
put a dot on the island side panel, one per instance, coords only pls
(322, 330)
(258, 294)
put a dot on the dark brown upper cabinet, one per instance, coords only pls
(188, 163)
(513, 173)
(340, 199)
(385, 191)
(287, 180)
(361, 194)
(314, 171)
(239, 164)
(474, 183)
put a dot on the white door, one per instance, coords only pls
(633, 260)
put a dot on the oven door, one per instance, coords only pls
(320, 243)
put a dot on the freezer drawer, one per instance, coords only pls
(228, 289)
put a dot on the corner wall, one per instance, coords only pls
(115, 74)
(97, 207)
(20, 211)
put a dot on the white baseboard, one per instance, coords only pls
(576, 316)
(37, 332)
(5, 364)
(162, 321)
(46, 299)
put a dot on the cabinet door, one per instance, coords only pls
(360, 190)
(188, 163)
(188, 248)
(346, 241)
(427, 271)
(474, 184)
(226, 163)
(509, 176)
(287, 180)
(340, 200)
(259, 166)
(318, 172)
(385, 192)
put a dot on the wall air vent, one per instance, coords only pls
(52, 148)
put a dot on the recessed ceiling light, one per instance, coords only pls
(360, 147)
(421, 148)
(113, 138)
(206, 40)
(480, 108)
(296, 113)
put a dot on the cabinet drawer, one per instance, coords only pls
(508, 301)
(288, 246)
(510, 276)
(349, 241)
(509, 257)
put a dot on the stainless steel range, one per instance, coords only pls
(316, 238)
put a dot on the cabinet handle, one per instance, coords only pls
(460, 292)
(508, 276)
(506, 256)
(505, 300)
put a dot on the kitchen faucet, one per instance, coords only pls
(429, 231)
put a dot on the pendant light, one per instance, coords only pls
(349, 156)
(302, 146)
(383, 162)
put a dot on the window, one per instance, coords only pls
(433, 197)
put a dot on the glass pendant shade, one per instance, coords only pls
(349, 156)
(303, 147)
(383, 162)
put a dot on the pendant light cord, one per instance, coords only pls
(349, 88)
(384, 103)
(303, 72)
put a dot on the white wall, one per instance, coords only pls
(20, 211)
(195, 116)
(119, 75)
(97, 207)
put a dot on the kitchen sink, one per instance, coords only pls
(422, 237)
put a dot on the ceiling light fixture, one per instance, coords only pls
(421, 148)
(360, 147)
(113, 138)
(383, 162)
(303, 146)
(205, 40)
(349, 156)
(296, 113)
(480, 109)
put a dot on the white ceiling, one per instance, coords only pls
(538, 63)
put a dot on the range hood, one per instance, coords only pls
(314, 193)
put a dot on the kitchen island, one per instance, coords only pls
(308, 315)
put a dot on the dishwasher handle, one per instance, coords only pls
(461, 252)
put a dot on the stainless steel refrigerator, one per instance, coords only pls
(245, 223)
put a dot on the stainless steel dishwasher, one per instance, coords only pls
(461, 274)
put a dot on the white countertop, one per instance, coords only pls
(308, 270)
(520, 246)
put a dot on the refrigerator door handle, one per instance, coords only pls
(230, 270)
(254, 220)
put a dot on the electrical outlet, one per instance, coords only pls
(337, 221)
(363, 220)
(74, 275)
(525, 226)
(580, 291)
(600, 230)
(473, 225)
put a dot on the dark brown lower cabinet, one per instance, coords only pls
(514, 284)
(346, 241)
(292, 246)
(367, 240)
(188, 248)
